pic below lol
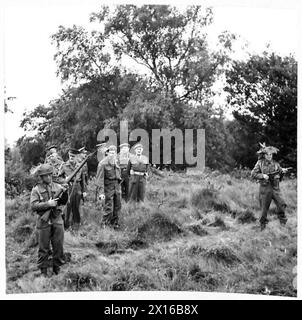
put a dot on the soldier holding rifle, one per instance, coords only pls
(46, 199)
(78, 190)
(269, 173)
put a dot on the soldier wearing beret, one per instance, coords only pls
(50, 230)
(81, 156)
(54, 159)
(123, 158)
(138, 171)
(269, 173)
(77, 191)
(108, 180)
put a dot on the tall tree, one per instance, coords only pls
(263, 92)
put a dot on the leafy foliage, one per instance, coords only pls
(263, 92)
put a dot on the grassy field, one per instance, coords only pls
(193, 233)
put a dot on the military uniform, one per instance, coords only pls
(79, 186)
(51, 231)
(123, 158)
(269, 189)
(137, 169)
(55, 161)
(108, 180)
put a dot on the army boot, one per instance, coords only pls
(56, 270)
(44, 272)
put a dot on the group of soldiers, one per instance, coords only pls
(118, 176)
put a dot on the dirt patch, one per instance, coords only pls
(158, 227)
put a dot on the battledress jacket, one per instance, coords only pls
(40, 194)
(107, 173)
(264, 166)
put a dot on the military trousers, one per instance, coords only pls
(125, 184)
(112, 208)
(137, 188)
(54, 235)
(267, 193)
(73, 207)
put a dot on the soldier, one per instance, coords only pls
(55, 160)
(138, 170)
(108, 180)
(78, 190)
(123, 157)
(269, 173)
(49, 230)
(82, 155)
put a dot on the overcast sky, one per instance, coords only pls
(29, 69)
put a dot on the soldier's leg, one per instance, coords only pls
(126, 187)
(281, 205)
(117, 205)
(57, 240)
(123, 184)
(265, 195)
(44, 247)
(131, 188)
(76, 217)
(67, 215)
(142, 188)
(134, 186)
(108, 210)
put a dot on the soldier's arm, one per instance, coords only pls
(99, 180)
(256, 172)
(280, 171)
(36, 204)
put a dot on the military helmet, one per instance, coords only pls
(44, 169)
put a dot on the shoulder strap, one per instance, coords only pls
(38, 192)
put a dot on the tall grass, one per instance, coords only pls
(193, 232)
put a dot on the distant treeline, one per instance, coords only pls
(174, 88)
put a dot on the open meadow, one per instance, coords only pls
(193, 233)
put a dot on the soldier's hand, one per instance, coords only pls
(44, 218)
(284, 170)
(52, 203)
(265, 176)
(65, 186)
(101, 196)
(84, 194)
(131, 171)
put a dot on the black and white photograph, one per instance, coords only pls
(150, 147)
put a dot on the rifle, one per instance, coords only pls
(45, 217)
(271, 175)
